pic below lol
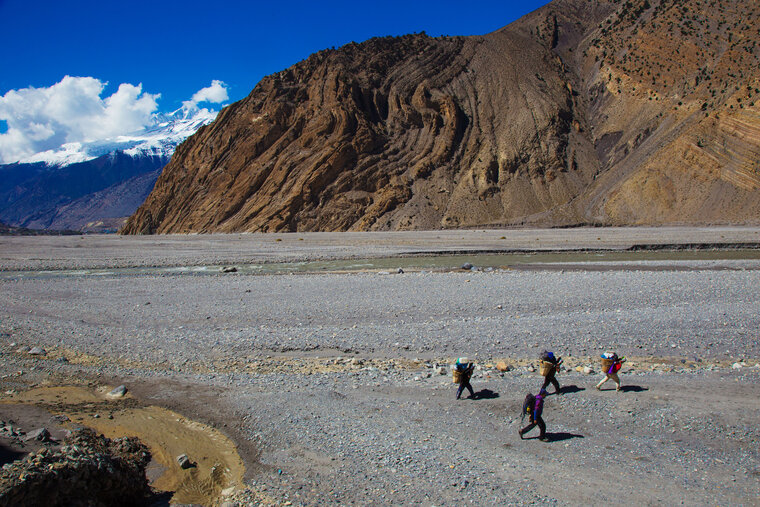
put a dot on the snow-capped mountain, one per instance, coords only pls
(159, 139)
(96, 185)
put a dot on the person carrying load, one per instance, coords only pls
(534, 407)
(549, 365)
(611, 364)
(462, 372)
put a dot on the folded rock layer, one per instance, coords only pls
(604, 112)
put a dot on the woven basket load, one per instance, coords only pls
(546, 368)
(457, 375)
(607, 363)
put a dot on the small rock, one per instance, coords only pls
(22, 350)
(498, 307)
(736, 366)
(467, 266)
(118, 392)
(41, 435)
(229, 269)
(59, 418)
(37, 351)
(184, 462)
(383, 273)
(502, 366)
(588, 370)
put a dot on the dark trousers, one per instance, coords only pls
(462, 385)
(541, 426)
(551, 379)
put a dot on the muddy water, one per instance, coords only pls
(166, 433)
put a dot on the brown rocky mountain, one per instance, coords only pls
(610, 112)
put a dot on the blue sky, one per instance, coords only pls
(177, 48)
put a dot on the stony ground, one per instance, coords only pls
(331, 384)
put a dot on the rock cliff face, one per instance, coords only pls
(582, 112)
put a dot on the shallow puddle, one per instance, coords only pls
(217, 463)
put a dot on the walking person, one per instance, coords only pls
(463, 369)
(534, 407)
(549, 367)
(611, 364)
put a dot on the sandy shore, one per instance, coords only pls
(330, 383)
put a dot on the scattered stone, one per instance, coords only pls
(22, 350)
(37, 351)
(88, 466)
(184, 462)
(502, 366)
(41, 435)
(229, 269)
(59, 418)
(383, 273)
(736, 366)
(588, 370)
(118, 392)
(498, 307)
(467, 266)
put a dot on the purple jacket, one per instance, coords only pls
(538, 408)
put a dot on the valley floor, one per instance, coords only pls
(330, 383)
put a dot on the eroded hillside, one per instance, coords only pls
(605, 112)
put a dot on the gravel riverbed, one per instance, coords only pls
(331, 384)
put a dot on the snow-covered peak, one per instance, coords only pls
(158, 139)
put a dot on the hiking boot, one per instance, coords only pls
(598, 388)
(543, 438)
(619, 389)
(520, 432)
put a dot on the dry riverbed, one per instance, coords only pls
(336, 387)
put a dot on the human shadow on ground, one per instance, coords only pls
(562, 435)
(571, 389)
(633, 389)
(485, 394)
(556, 437)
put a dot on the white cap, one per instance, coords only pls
(463, 360)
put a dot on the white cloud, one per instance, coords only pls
(215, 94)
(72, 110)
